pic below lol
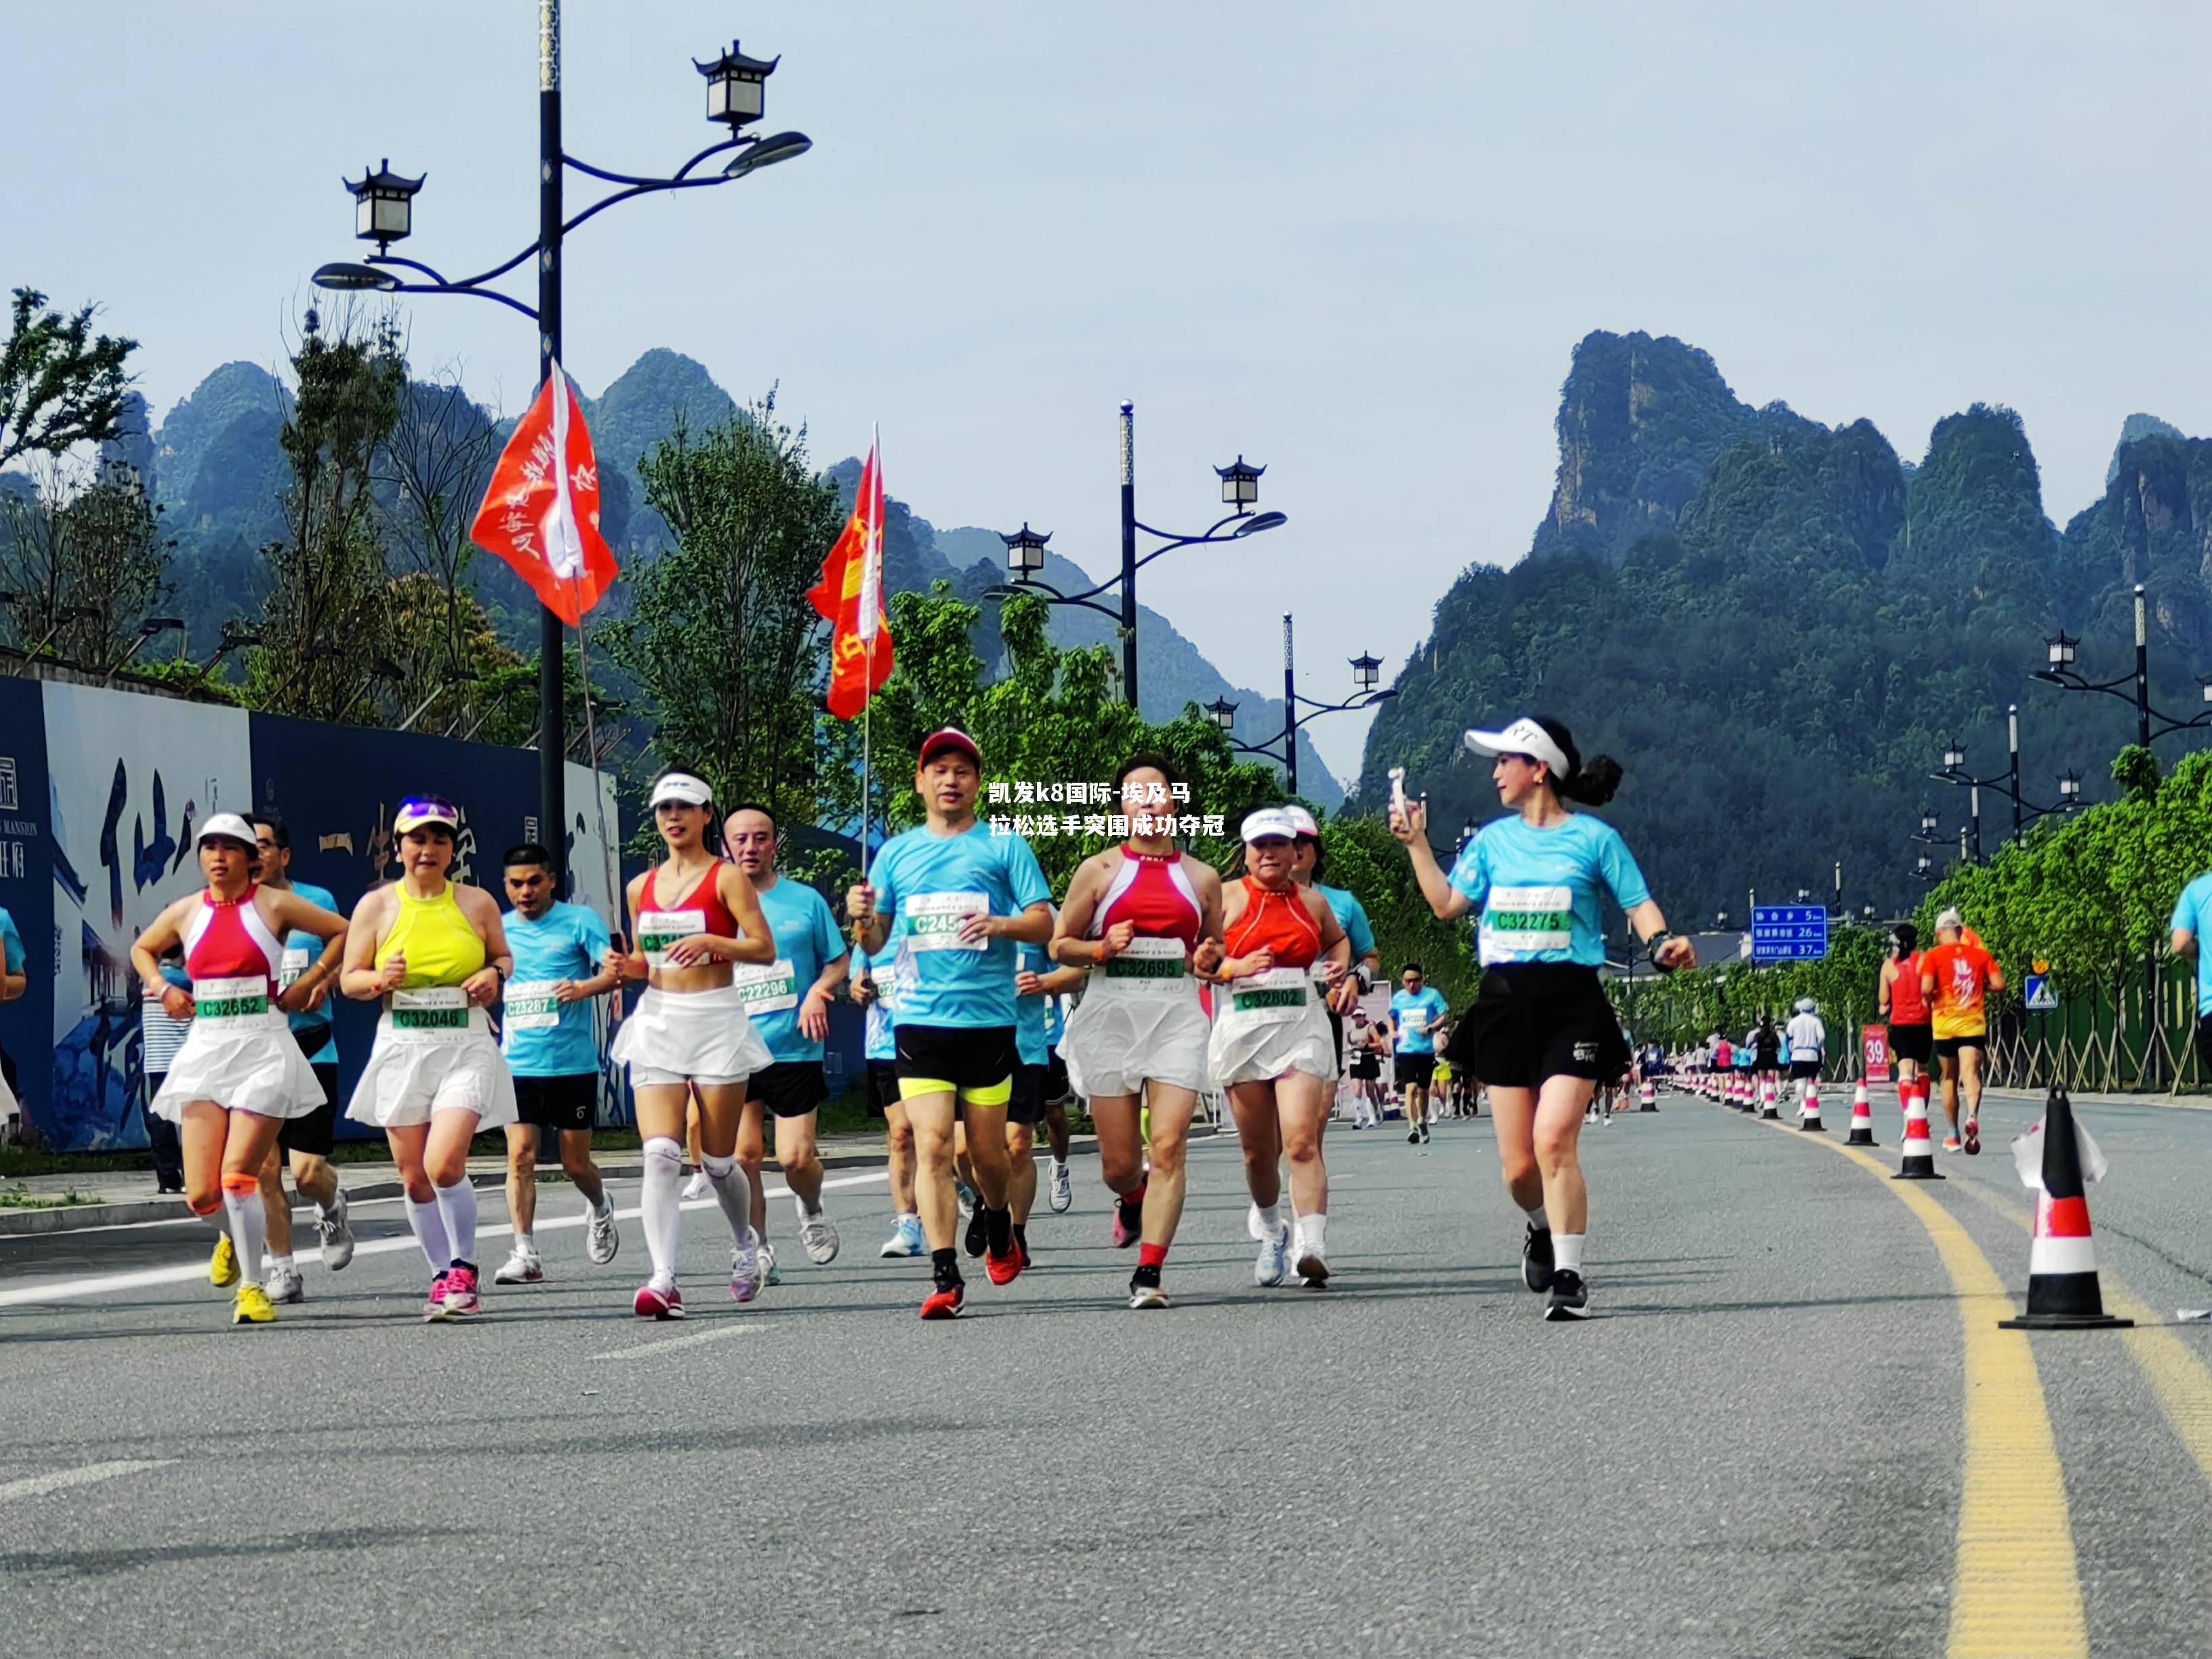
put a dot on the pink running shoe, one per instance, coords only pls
(435, 1306)
(461, 1293)
(1128, 1221)
(657, 1301)
(745, 1267)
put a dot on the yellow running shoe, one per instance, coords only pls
(222, 1266)
(251, 1307)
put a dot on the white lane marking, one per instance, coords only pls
(38, 1486)
(100, 1284)
(691, 1341)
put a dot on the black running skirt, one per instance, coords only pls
(1532, 1020)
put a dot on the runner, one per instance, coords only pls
(433, 952)
(789, 1002)
(305, 1140)
(1952, 978)
(1807, 1036)
(160, 1039)
(1037, 988)
(961, 899)
(1912, 1039)
(1766, 1041)
(875, 987)
(1135, 914)
(692, 916)
(1272, 1049)
(1416, 1008)
(2187, 925)
(1541, 1033)
(552, 1048)
(1364, 1040)
(240, 1076)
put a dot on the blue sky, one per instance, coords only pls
(1355, 243)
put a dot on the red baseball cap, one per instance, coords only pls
(948, 737)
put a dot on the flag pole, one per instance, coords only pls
(872, 555)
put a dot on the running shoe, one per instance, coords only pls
(251, 1307)
(818, 1237)
(1973, 1137)
(906, 1238)
(285, 1284)
(1004, 1269)
(945, 1301)
(696, 1187)
(966, 1196)
(335, 1229)
(601, 1241)
(658, 1299)
(1312, 1266)
(461, 1299)
(521, 1267)
(1536, 1259)
(1128, 1223)
(1145, 1290)
(1570, 1296)
(1414, 1139)
(1063, 1188)
(975, 1240)
(771, 1273)
(745, 1269)
(1021, 1246)
(434, 1308)
(1274, 1256)
(1425, 1134)
(222, 1266)
(1951, 1144)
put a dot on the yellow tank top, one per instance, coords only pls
(440, 947)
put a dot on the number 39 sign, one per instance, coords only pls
(1874, 1049)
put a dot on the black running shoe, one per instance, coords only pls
(1570, 1295)
(1414, 1139)
(978, 1234)
(1536, 1259)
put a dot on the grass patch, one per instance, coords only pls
(19, 1197)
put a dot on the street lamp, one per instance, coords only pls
(2135, 687)
(1025, 551)
(1240, 483)
(384, 214)
(1224, 713)
(1365, 672)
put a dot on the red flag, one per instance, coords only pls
(541, 512)
(850, 595)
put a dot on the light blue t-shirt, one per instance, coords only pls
(11, 944)
(1538, 890)
(1416, 1017)
(882, 1042)
(1034, 1016)
(1351, 916)
(926, 883)
(2191, 912)
(807, 942)
(300, 940)
(568, 941)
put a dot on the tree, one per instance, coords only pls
(82, 561)
(60, 385)
(435, 464)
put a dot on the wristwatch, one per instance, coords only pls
(1654, 946)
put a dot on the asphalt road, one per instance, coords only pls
(1759, 1448)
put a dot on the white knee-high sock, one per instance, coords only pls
(249, 1228)
(734, 1193)
(457, 1207)
(663, 1210)
(430, 1233)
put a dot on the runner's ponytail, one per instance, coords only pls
(1587, 783)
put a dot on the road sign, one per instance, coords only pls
(1789, 933)
(2041, 999)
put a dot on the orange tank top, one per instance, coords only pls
(1276, 921)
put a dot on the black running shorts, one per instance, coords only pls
(567, 1103)
(313, 1134)
(1413, 1068)
(1914, 1042)
(1032, 1085)
(883, 1087)
(976, 1062)
(1533, 1020)
(1948, 1048)
(789, 1088)
(1800, 1070)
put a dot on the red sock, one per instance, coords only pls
(1151, 1256)
(1134, 1198)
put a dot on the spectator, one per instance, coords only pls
(160, 1037)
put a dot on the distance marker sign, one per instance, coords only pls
(1789, 933)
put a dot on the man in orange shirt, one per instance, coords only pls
(1953, 977)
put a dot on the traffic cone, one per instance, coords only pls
(1809, 1113)
(1647, 1097)
(1862, 1133)
(1767, 1108)
(1919, 1161)
(2063, 1291)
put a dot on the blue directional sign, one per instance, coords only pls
(1789, 933)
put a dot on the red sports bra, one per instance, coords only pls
(229, 940)
(705, 898)
(1276, 921)
(1152, 891)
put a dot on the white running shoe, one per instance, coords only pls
(906, 1238)
(336, 1231)
(601, 1241)
(521, 1267)
(745, 1267)
(1063, 1188)
(696, 1187)
(1312, 1266)
(1275, 1254)
(285, 1284)
(771, 1273)
(818, 1237)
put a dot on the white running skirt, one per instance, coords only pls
(1117, 1039)
(248, 1063)
(412, 1073)
(1275, 1033)
(692, 1033)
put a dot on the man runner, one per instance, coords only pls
(960, 900)
(788, 999)
(1416, 1008)
(306, 1141)
(552, 1048)
(1953, 977)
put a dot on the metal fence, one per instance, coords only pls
(2134, 1031)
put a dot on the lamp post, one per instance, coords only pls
(1365, 671)
(384, 214)
(2059, 670)
(2005, 783)
(146, 630)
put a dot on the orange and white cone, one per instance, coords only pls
(1862, 1133)
(1920, 1160)
(1809, 1110)
(2063, 1289)
(1647, 1097)
(1767, 1105)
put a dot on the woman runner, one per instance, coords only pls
(1541, 1033)
(1133, 915)
(240, 1077)
(434, 951)
(693, 915)
(1272, 1049)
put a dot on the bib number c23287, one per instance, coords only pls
(532, 1005)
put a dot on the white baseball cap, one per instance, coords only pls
(1951, 919)
(1523, 736)
(1302, 821)
(229, 827)
(1268, 821)
(682, 786)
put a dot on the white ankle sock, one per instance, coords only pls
(457, 1208)
(1313, 1229)
(1567, 1252)
(526, 1243)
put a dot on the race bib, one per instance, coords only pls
(1278, 994)
(932, 920)
(1520, 922)
(768, 987)
(532, 1005)
(296, 963)
(230, 999)
(658, 929)
(436, 1011)
(1148, 964)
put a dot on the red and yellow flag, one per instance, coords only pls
(541, 511)
(850, 595)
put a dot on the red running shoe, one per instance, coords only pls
(945, 1301)
(656, 1301)
(1973, 1136)
(1004, 1269)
